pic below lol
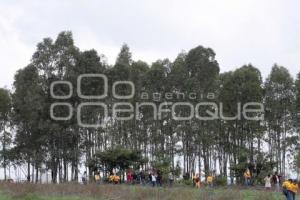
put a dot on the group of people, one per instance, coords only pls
(114, 178)
(197, 180)
(154, 177)
(274, 180)
(289, 187)
(133, 177)
(269, 180)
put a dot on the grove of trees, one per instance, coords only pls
(31, 138)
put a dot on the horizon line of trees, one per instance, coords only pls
(29, 136)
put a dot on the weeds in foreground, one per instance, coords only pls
(115, 192)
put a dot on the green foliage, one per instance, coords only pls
(259, 170)
(124, 57)
(5, 137)
(162, 164)
(177, 170)
(280, 101)
(59, 146)
(119, 158)
(107, 191)
(186, 182)
(297, 161)
(220, 181)
(5, 106)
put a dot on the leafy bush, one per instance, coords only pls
(185, 182)
(220, 181)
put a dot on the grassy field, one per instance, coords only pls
(120, 192)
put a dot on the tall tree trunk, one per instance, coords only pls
(28, 170)
(36, 173)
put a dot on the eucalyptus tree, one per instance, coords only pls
(297, 105)
(279, 100)
(193, 77)
(125, 56)
(297, 122)
(28, 101)
(120, 131)
(5, 110)
(138, 71)
(52, 59)
(177, 88)
(90, 139)
(240, 137)
(154, 85)
(203, 70)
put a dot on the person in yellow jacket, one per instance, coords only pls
(97, 178)
(294, 188)
(209, 181)
(290, 189)
(116, 179)
(111, 178)
(247, 177)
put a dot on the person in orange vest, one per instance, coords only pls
(247, 177)
(209, 181)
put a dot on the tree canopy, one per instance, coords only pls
(225, 145)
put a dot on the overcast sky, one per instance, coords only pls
(239, 31)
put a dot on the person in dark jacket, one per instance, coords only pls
(276, 181)
(142, 178)
(159, 179)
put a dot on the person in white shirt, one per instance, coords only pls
(267, 180)
(153, 179)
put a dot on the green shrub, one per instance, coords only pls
(220, 181)
(185, 182)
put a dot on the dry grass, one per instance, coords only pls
(120, 192)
